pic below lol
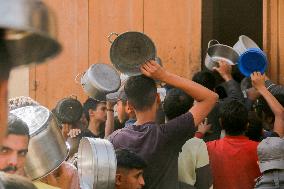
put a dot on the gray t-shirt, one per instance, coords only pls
(159, 146)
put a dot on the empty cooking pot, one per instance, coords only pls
(96, 163)
(243, 44)
(28, 30)
(99, 80)
(130, 50)
(68, 110)
(217, 52)
(47, 148)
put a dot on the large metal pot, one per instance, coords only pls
(47, 148)
(99, 80)
(217, 52)
(96, 164)
(130, 50)
(68, 110)
(243, 44)
(28, 30)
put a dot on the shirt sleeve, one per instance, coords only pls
(273, 88)
(177, 131)
(234, 91)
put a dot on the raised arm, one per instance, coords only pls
(258, 81)
(205, 98)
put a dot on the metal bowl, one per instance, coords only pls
(96, 163)
(130, 50)
(28, 30)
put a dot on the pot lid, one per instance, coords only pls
(36, 117)
(104, 77)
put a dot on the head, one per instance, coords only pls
(265, 111)
(176, 103)
(234, 117)
(270, 153)
(14, 181)
(254, 130)
(205, 79)
(94, 110)
(129, 173)
(141, 93)
(14, 146)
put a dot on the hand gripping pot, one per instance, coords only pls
(243, 44)
(27, 30)
(96, 164)
(47, 148)
(99, 80)
(217, 52)
(130, 50)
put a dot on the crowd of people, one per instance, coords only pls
(197, 137)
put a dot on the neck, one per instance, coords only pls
(145, 116)
(94, 126)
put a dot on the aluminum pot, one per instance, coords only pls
(130, 50)
(99, 80)
(28, 29)
(96, 163)
(243, 44)
(47, 148)
(217, 52)
(68, 110)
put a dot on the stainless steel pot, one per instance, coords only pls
(243, 44)
(28, 29)
(96, 164)
(47, 148)
(99, 80)
(217, 52)
(130, 50)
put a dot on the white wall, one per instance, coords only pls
(19, 82)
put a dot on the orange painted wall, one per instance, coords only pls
(83, 27)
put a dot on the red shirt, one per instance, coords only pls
(233, 161)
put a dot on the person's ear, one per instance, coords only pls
(118, 179)
(129, 106)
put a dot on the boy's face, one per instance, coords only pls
(129, 179)
(100, 112)
(121, 111)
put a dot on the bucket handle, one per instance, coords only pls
(76, 78)
(110, 35)
(211, 41)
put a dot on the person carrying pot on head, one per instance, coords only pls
(95, 112)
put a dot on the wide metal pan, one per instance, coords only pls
(130, 50)
(96, 163)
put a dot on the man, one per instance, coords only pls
(233, 159)
(95, 112)
(125, 114)
(193, 162)
(233, 91)
(14, 146)
(271, 163)
(129, 172)
(159, 145)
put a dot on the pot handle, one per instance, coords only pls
(110, 35)
(76, 78)
(212, 41)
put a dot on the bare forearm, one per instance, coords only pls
(109, 128)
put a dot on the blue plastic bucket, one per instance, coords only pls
(251, 61)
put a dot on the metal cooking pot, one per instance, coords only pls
(99, 80)
(28, 30)
(47, 148)
(96, 163)
(243, 44)
(130, 50)
(217, 52)
(68, 110)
